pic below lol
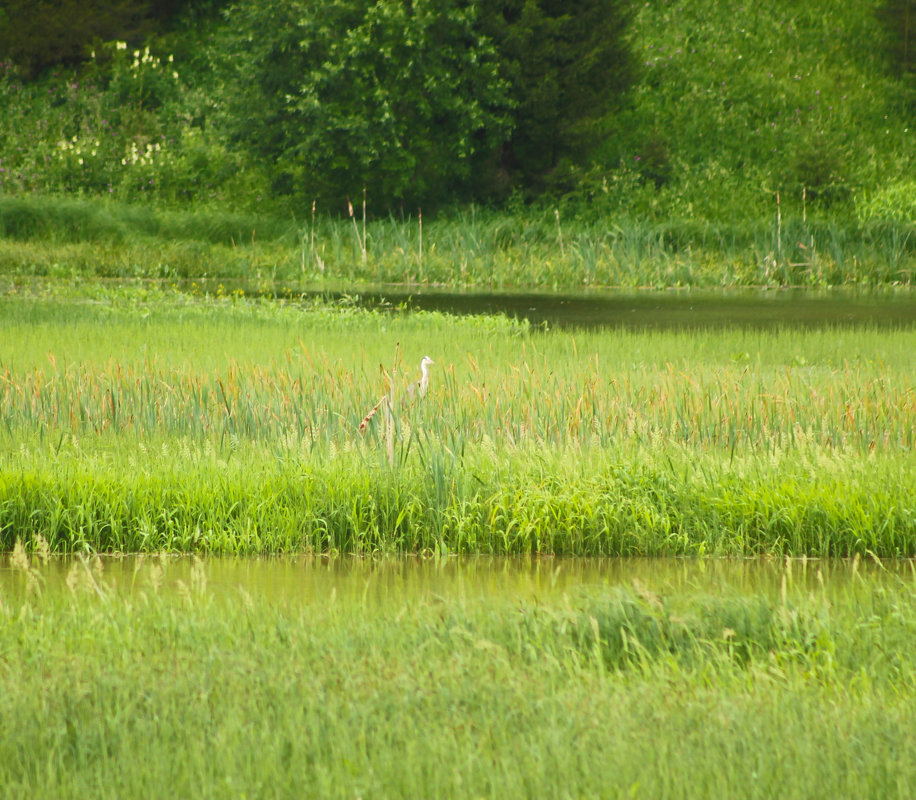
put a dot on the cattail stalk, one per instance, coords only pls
(778, 230)
(361, 244)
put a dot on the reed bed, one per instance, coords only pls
(142, 420)
(318, 411)
(63, 237)
(637, 503)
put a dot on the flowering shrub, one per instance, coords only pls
(126, 126)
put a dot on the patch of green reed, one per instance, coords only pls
(145, 363)
(640, 501)
(137, 420)
(373, 686)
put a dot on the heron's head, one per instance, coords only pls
(426, 362)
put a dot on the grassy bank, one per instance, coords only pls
(373, 687)
(140, 420)
(60, 237)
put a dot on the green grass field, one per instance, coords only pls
(414, 610)
(588, 563)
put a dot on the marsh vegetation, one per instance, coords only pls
(213, 583)
(454, 677)
(143, 419)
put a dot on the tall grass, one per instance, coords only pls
(60, 236)
(632, 501)
(369, 681)
(145, 364)
(145, 420)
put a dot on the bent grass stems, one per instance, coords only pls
(85, 238)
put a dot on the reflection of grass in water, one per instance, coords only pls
(138, 420)
(588, 692)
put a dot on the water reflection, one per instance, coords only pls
(678, 310)
(310, 579)
(687, 309)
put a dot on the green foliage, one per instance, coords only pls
(436, 103)
(394, 96)
(898, 18)
(37, 35)
(567, 65)
(753, 99)
(425, 102)
(116, 129)
(897, 201)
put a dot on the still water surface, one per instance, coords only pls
(311, 580)
(687, 309)
(683, 310)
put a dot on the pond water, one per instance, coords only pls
(310, 579)
(618, 308)
(672, 309)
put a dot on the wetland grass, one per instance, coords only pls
(66, 237)
(157, 681)
(639, 502)
(142, 420)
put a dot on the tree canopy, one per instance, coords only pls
(419, 101)
(568, 66)
(344, 94)
(423, 100)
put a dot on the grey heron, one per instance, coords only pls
(414, 390)
(420, 387)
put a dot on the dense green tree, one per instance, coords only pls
(898, 17)
(392, 95)
(568, 64)
(899, 20)
(424, 100)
